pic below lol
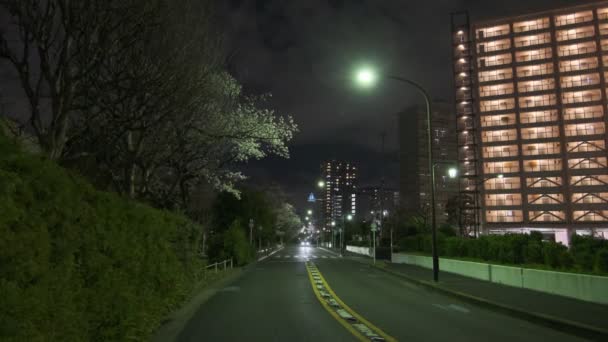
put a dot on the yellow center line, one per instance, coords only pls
(311, 268)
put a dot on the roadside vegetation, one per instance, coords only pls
(586, 254)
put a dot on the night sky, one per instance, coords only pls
(304, 53)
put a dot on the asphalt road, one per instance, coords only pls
(274, 301)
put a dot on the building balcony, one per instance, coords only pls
(585, 145)
(575, 33)
(531, 25)
(495, 75)
(574, 18)
(580, 64)
(587, 96)
(583, 113)
(579, 81)
(495, 91)
(488, 33)
(501, 167)
(542, 165)
(504, 216)
(533, 55)
(535, 70)
(547, 148)
(547, 132)
(584, 129)
(537, 117)
(493, 46)
(536, 86)
(492, 61)
(500, 152)
(538, 101)
(533, 40)
(577, 49)
(497, 120)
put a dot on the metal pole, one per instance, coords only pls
(374, 242)
(251, 232)
(431, 170)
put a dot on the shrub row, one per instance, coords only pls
(77, 264)
(586, 254)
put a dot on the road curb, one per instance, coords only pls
(570, 327)
(330, 251)
(266, 256)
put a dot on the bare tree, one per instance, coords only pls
(53, 46)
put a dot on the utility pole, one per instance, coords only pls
(381, 190)
(251, 232)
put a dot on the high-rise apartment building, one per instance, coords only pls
(531, 104)
(414, 178)
(340, 192)
(372, 200)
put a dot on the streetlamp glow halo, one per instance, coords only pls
(366, 77)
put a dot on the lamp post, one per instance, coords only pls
(367, 77)
(333, 235)
(348, 217)
(260, 238)
(251, 232)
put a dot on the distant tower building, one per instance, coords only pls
(372, 200)
(414, 179)
(340, 195)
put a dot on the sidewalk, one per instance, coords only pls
(571, 315)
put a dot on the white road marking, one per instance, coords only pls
(459, 308)
(440, 306)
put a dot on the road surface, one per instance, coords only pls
(274, 300)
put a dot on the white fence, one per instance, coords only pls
(359, 250)
(580, 286)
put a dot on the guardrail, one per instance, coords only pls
(224, 263)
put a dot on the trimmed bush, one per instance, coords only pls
(586, 253)
(601, 261)
(78, 264)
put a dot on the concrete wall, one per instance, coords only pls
(359, 250)
(580, 286)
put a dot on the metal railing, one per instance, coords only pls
(224, 264)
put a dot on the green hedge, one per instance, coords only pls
(77, 264)
(586, 254)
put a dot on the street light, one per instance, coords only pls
(321, 184)
(366, 77)
(452, 172)
(309, 212)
